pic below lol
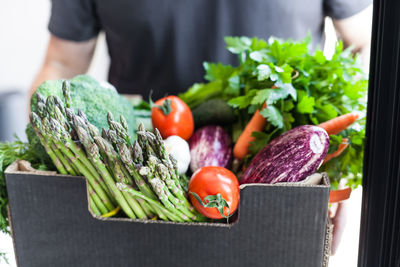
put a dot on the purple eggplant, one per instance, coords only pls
(210, 146)
(290, 157)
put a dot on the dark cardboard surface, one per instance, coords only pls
(277, 226)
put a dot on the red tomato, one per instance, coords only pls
(171, 116)
(210, 181)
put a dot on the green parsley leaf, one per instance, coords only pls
(261, 97)
(217, 71)
(306, 104)
(326, 112)
(288, 105)
(288, 120)
(237, 45)
(289, 89)
(242, 101)
(273, 115)
(334, 142)
(200, 92)
(234, 85)
(264, 71)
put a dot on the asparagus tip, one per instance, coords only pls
(110, 117)
(123, 122)
(66, 93)
(141, 127)
(40, 98)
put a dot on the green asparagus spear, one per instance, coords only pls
(117, 172)
(162, 192)
(94, 155)
(133, 192)
(93, 131)
(93, 206)
(140, 182)
(64, 135)
(39, 129)
(68, 164)
(59, 104)
(50, 104)
(123, 122)
(157, 144)
(72, 151)
(168, 161)
(66, 93)
(40, 98)
(160, 170)
(41, 110)
(137, 153)
(82, 116)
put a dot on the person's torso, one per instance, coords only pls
(160, 45)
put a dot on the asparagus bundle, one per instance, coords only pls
(137, 177)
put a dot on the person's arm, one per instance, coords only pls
(356, 31)
(65, 59)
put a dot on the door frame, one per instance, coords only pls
(380, 215)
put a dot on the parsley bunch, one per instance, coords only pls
(299, 87)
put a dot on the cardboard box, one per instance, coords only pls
(277, 225)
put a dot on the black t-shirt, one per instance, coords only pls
(160, 45)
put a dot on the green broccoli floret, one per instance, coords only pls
(93, 98)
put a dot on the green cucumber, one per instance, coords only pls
(213, 112)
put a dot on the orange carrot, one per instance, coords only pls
(256, 124)
(338, 124)
(339, 195)
(339, 151)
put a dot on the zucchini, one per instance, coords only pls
(213, 112)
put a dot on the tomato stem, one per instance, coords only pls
(165, 107)
(214, 201)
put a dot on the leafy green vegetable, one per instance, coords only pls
(298, 87)
(273, 115)
(306, 104)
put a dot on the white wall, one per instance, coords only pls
(22, 44)
(23, 41)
